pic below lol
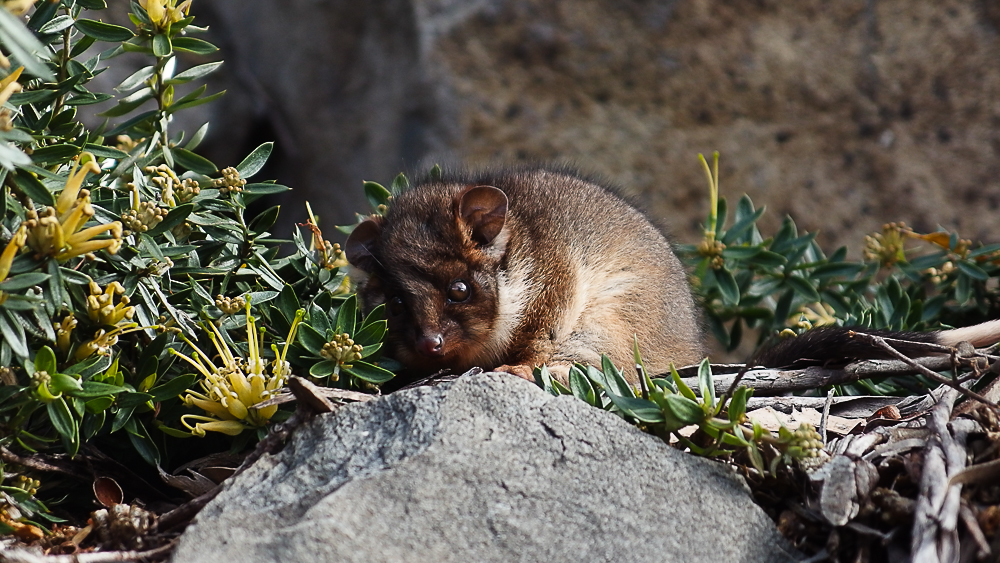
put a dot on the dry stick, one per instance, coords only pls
(32, 462)
(826, 414)
(975, 531)
(881, 343)
(768, 381)
(935, 520)
(863, 405)
(20, 556)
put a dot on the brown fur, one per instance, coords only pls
(562, 271)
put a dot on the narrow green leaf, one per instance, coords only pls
(972, 270)
(347, 316)
(128, 124)
(97, 389)
(137, 79)
(399, 184)
(310, 339)
(705, 383)
(742, 226)
(23, 45)
(132, 399)
(122, 417)
(803, 288)
(57, 24)
(61, 418)
(23, 281)
(102, 151)
(13, 334)
(369, 372)
(767, 259)
(288, 304)
(104, 31)
(141, 441)
(173, 388)
(62, 383)
(597, 377)
(640, 409)
(616, 382)
(371, 334)
(580, 386)
(129, 103)
(194, 162)
(53, 153)
(377, 195)
(194, 73)
(738, 404)
(194, 45)
(188, 102)
(264, 189)
(161, 45)
(728, 287)
(44, 12)
(45, 360)
(323, 369)
(264, 221)
(837, 270)
(544, 379)
(88, 99)
(681, 386)
(255, 160)
(741, 252)
(197, 138)
(684, 409)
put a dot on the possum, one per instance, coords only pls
(512, 268)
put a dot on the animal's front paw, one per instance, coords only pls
(522, 371)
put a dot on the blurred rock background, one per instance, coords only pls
(844, 115)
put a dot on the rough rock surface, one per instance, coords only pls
(487, 468)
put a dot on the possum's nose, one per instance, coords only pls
(431, 345)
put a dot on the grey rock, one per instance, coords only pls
(486, 468)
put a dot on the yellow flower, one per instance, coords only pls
(165, 12)
(886, 247)
(18, 7)
(8, 86)
(101, 306)
(7, 258)
(103, 340)
(64, 330)
(818, 314)
(228, 427)
(56, 231)
(231, 391)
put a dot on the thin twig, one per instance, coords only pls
(18, 556)
(328, 392)
(881, 343)
(33, 463)
(826, 414)
(972, 525)
(935, 536)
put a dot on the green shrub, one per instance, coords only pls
(140, 303)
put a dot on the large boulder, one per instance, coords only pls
(486, 468)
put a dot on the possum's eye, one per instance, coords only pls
(396, 307)
(458, 291)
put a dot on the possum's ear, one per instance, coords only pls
(360, 244)
(484, 210)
